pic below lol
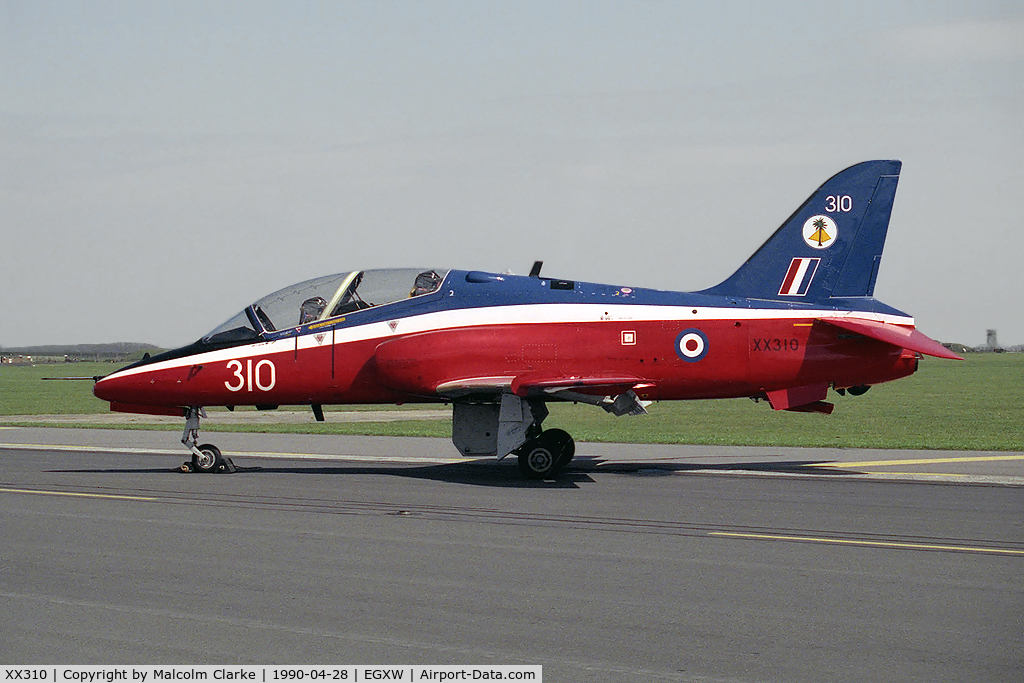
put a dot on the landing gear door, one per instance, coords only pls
(495, 429)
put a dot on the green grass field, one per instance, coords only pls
(977, 404)
(23, 391)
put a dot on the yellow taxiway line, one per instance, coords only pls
(247, 454)
(877, 544)
(918, 461)
(79, 495)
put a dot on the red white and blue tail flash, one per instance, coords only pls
(798, 277)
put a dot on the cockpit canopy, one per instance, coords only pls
(324, 298)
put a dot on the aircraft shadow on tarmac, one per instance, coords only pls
(506, 474)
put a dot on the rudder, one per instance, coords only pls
(830, 247)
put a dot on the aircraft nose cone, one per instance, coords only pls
(122, 387)
(109, 388)
(136, 392)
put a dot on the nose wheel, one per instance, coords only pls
(207, 457)
(546, 455)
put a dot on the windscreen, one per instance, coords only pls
(329, 297)
(238, 328)
(298, 304)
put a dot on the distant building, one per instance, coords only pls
(991, 343)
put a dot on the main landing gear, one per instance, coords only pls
(205, 457)
(508, 424)
(545, 455)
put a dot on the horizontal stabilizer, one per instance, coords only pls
(903, 337)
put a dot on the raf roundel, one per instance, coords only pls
(820, 232)
(691, 345)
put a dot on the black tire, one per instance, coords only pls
(536, 459)
(546, 455)
(859, 390)
(562, 445)
(210, 461)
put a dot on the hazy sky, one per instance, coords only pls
(164, 164)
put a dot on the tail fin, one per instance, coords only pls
(830, 247)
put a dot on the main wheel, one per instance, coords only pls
(207, 459)
(536, 459)
(562, 445)
(545, 455)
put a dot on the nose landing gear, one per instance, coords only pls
(207, 457)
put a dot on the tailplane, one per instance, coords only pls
(830, 247)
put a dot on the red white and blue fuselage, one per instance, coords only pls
(797, 319)
(594, 334)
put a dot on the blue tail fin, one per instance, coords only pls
(830, 247)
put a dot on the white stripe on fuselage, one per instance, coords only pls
(509, 315)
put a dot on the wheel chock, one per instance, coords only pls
(226, 466)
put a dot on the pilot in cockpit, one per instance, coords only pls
(311, 309)
(426, 283)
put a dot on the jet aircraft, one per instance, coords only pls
(795, 320)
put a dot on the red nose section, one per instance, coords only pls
(133, 393)
(115, 388)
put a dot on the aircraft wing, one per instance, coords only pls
(458, 388)
(614, 394)
(903, 337)
(530, 385)
(526, 386)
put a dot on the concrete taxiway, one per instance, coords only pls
(992, 467)
(641, 563)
